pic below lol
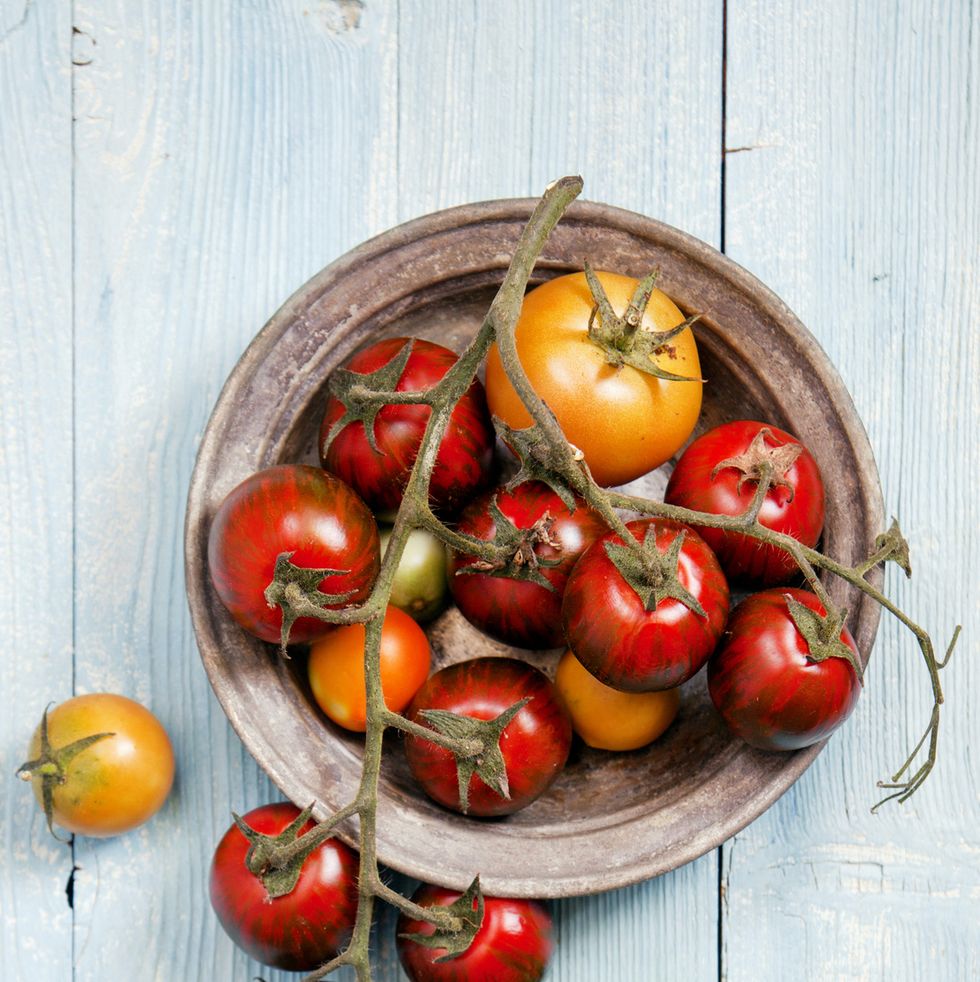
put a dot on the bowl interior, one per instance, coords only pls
(642, 812)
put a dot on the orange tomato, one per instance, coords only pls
(608, 719)
(336, 668)
(624, 421)
(118, 782)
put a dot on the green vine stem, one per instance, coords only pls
(415, 512)
(560, 463)
(809, 560)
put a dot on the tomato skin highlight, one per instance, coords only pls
(765, 687)
(534, 745)
(117, 783)
(465, 457)
(798, 512)
(628, 647)
(336, 668)
(296, 509)
(306, 927)
(608, 719)
(514, 944)
(518, 612)
(625, 421)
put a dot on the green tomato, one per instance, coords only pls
(420, 587)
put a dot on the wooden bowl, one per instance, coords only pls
(610, 819)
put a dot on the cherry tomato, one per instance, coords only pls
(302, 929)
(301, 511)
(420, 587)
(514, 943)
(516, 611)
(115, 783)
(534, 744)
(763, 683)
(608, 719)
(336, 668)
(465, 454)
(621, 642)
(718, 473)
(625, 421)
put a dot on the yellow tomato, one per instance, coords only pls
(116, 783)
(608, 719)
(336, 668)
(624, 421)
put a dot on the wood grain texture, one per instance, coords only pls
(851, 190)
(35, 467)
(204, 196)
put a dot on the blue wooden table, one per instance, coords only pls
(170, 171)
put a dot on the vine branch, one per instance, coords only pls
(562, 462)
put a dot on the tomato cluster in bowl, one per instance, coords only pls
(639, 607)
(636, 623)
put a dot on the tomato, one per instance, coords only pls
(302, 929)
(465, 454)
(765, 685)
(608, 719)
(420, 587)
(301, 511)
(719, 473)
(534, 744)
(619, 640)
(519, 611)
(514, 942)
(336, 668)
(116, 782)
(625, 421)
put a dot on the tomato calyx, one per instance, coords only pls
(540, 461)
(277, 860)
(652, 574)
(365, 394)
(468, 911)
(480, 752)
(519, 548)
(624, 339)
(295, 590)
(51, 767)
(762, 464)
(822, 634)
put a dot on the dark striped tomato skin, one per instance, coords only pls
(514, 943)
(766, 688)
(535, 743)
(797, 510)
(465, 458)
(519, 612)
(637, 650)
(298, 931)
(297, 509)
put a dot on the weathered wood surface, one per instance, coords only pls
(856, 198)
(36, 452)
(223, 152)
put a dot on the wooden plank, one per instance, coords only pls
(35, 465)
(224, 153)
(496, 100)
(851, 190)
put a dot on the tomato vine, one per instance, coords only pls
(546, 455)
